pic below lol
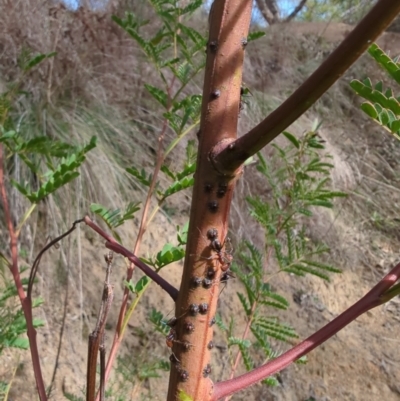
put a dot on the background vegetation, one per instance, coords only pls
(95, 86)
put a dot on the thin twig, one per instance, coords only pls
(63, 322)
(113, 245)
(293, 14)
(35, 265)
(171, 290)
(26, 302)
(96, 338)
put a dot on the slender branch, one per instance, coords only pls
(228, 157)
(375, 297)
(26, 302)
(36, 263)
(265, 12)
(113, 245)
(96, 338)
(171, 290)
(293, 14)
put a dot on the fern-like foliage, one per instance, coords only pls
(61, 159)
(381, 104)
(178, 49)
(12, 320)
(300, 184)
(115, 218)
(297, 178)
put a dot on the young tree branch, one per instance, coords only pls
(378, 295)
(228, 157)
(266, 12)
(294, 13)
(211, 199)
(26, 301)
(113, 245)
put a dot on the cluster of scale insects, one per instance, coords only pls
(223, 256)
(225, 259)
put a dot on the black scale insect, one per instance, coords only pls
(224, 257)
(207, 370)
(203, 308)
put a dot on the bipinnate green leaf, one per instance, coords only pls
(191, 7)
(271, 381)
(182, 234)
(271, 298)
(159, 322)
(392, 67)
(382, 106)
(369, 109)
(255, 35)
(115, 218)
(244, 346)
(139, 287)
(169, 254)
(244, 303)
(177, 186)
(55, 179)
(292, 139)
(158, 94)
(140, 175)
(272, 328)
(219, 322)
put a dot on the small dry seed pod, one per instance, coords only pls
(203, 308)
(109, 257)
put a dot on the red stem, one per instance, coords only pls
(369, 301)
(26, 302)
(147, 270)
(230, 156)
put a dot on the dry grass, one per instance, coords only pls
(94, 86)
